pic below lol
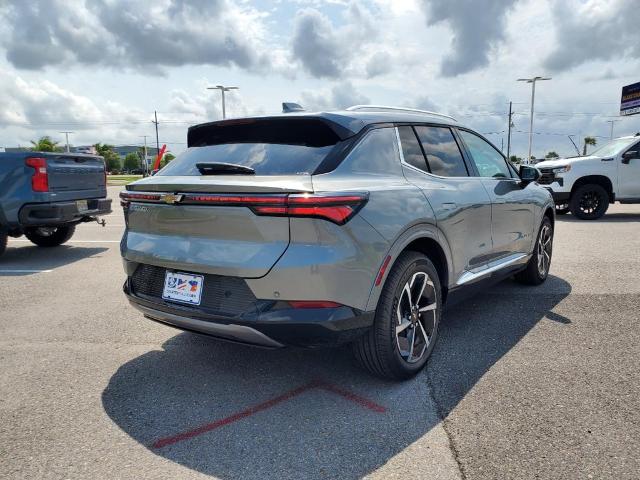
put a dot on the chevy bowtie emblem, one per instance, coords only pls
(171, 198)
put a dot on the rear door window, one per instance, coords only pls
(488, 160)
(411, 150)
(443, 154)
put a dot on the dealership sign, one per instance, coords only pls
(630, 103)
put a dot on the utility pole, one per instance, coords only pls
(155, 114)
(66, 134)
(612, 122)
(532, 81)
(222, 89)
(146, 167)
(509, 131)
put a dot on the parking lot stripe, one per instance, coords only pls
(316, 384)
(25, 271)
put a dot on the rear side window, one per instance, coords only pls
(376, 153)
(411, 148)
(488, 160)
(270, 147)
(443, 154)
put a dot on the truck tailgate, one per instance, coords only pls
(75, 173)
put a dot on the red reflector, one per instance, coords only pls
(383, 269)
(313, 304)
(39, 179)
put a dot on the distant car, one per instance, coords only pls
(586, 186)
(45, 195)
(318, 229)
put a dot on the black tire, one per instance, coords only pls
(562, 209)
(50, 236)
(589, 202)
(533, 274)
(380, 350)
(3, 242)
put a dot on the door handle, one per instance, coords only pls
(449, 206)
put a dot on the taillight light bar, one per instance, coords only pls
(338, 208)
(40, 178)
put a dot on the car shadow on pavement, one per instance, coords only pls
(27, 260)
(238, 412)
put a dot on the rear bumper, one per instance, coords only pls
(266, 324)
(57, 213)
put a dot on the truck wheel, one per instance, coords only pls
(406, 321)
(50, 236)
(538, 266)
(562, 208)
(589, 202)
(3, 242)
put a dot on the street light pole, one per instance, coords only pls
(532, 81)
(222, 89)
(66, 134)
(612, 122)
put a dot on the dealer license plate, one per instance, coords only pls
(183, 287)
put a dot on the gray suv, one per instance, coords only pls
(317, 229)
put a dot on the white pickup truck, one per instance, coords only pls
(586, 186)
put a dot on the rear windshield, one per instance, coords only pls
(274, 147)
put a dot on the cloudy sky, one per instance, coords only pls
(101, 67)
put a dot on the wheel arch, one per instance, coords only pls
(602, 180)
(426, 239)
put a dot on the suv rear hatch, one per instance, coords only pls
(200, 215)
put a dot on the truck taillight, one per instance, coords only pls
(39, 179)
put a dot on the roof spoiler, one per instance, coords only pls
(289, 107)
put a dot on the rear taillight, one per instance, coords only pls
(337, 208)
(39, 179)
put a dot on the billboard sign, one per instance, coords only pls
(630, 102)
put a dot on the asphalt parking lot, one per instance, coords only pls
(524, 382)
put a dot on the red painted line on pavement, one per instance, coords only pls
(163, 442)
(364, 402)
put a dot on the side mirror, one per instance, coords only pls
(529, 174)
(628, 156)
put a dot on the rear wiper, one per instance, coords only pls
(219, 168)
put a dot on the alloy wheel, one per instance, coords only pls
(416, 315)
(589, 202)
(544, 250)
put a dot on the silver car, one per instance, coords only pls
(317, 229)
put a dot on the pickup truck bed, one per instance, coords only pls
(47, 194)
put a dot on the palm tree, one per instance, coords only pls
(588, 141)
(45, 144)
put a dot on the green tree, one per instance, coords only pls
(166, 159)
(552, 154)
(131, 162)
(515, 159)
(111, 158)
(46, 144)
(588, 141)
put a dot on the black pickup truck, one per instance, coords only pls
(45, 195)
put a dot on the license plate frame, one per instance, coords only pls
(183, 287)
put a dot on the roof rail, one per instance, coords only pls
(378, 108)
